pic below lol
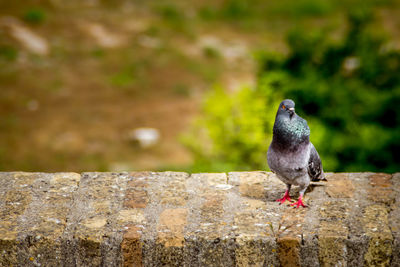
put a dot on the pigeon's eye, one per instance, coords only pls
(283, 106)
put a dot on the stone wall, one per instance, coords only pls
(207, 219)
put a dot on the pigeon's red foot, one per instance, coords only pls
(299, 203)
(285, 197)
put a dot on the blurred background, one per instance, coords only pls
(102, 85)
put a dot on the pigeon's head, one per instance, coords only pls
(286, 108)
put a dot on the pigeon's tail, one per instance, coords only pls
(321, 177)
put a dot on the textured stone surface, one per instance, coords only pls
(376, 227)
(382, 190)
(333, 233)
(339, 186)
(394, 220)
(34, 217)
(206, 219)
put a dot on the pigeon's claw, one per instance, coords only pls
(299, 203)
(285, 197)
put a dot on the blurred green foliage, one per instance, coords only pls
(8, 53)
(181, 89)
(34, 15)
(348, 90)
(122, 79)
(232, 134)
(303, 8)
(211, 52)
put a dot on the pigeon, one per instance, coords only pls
(291, 155)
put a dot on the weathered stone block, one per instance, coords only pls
(8, 251)
(170, 227)
(381, 190)
(376, 227)
(289, 251)
(339, 186)
(131, 247)
(253, 251)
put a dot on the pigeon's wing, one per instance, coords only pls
(315, 165)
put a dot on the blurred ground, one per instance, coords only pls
(77, 77)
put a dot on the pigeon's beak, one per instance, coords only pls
(291, 111)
